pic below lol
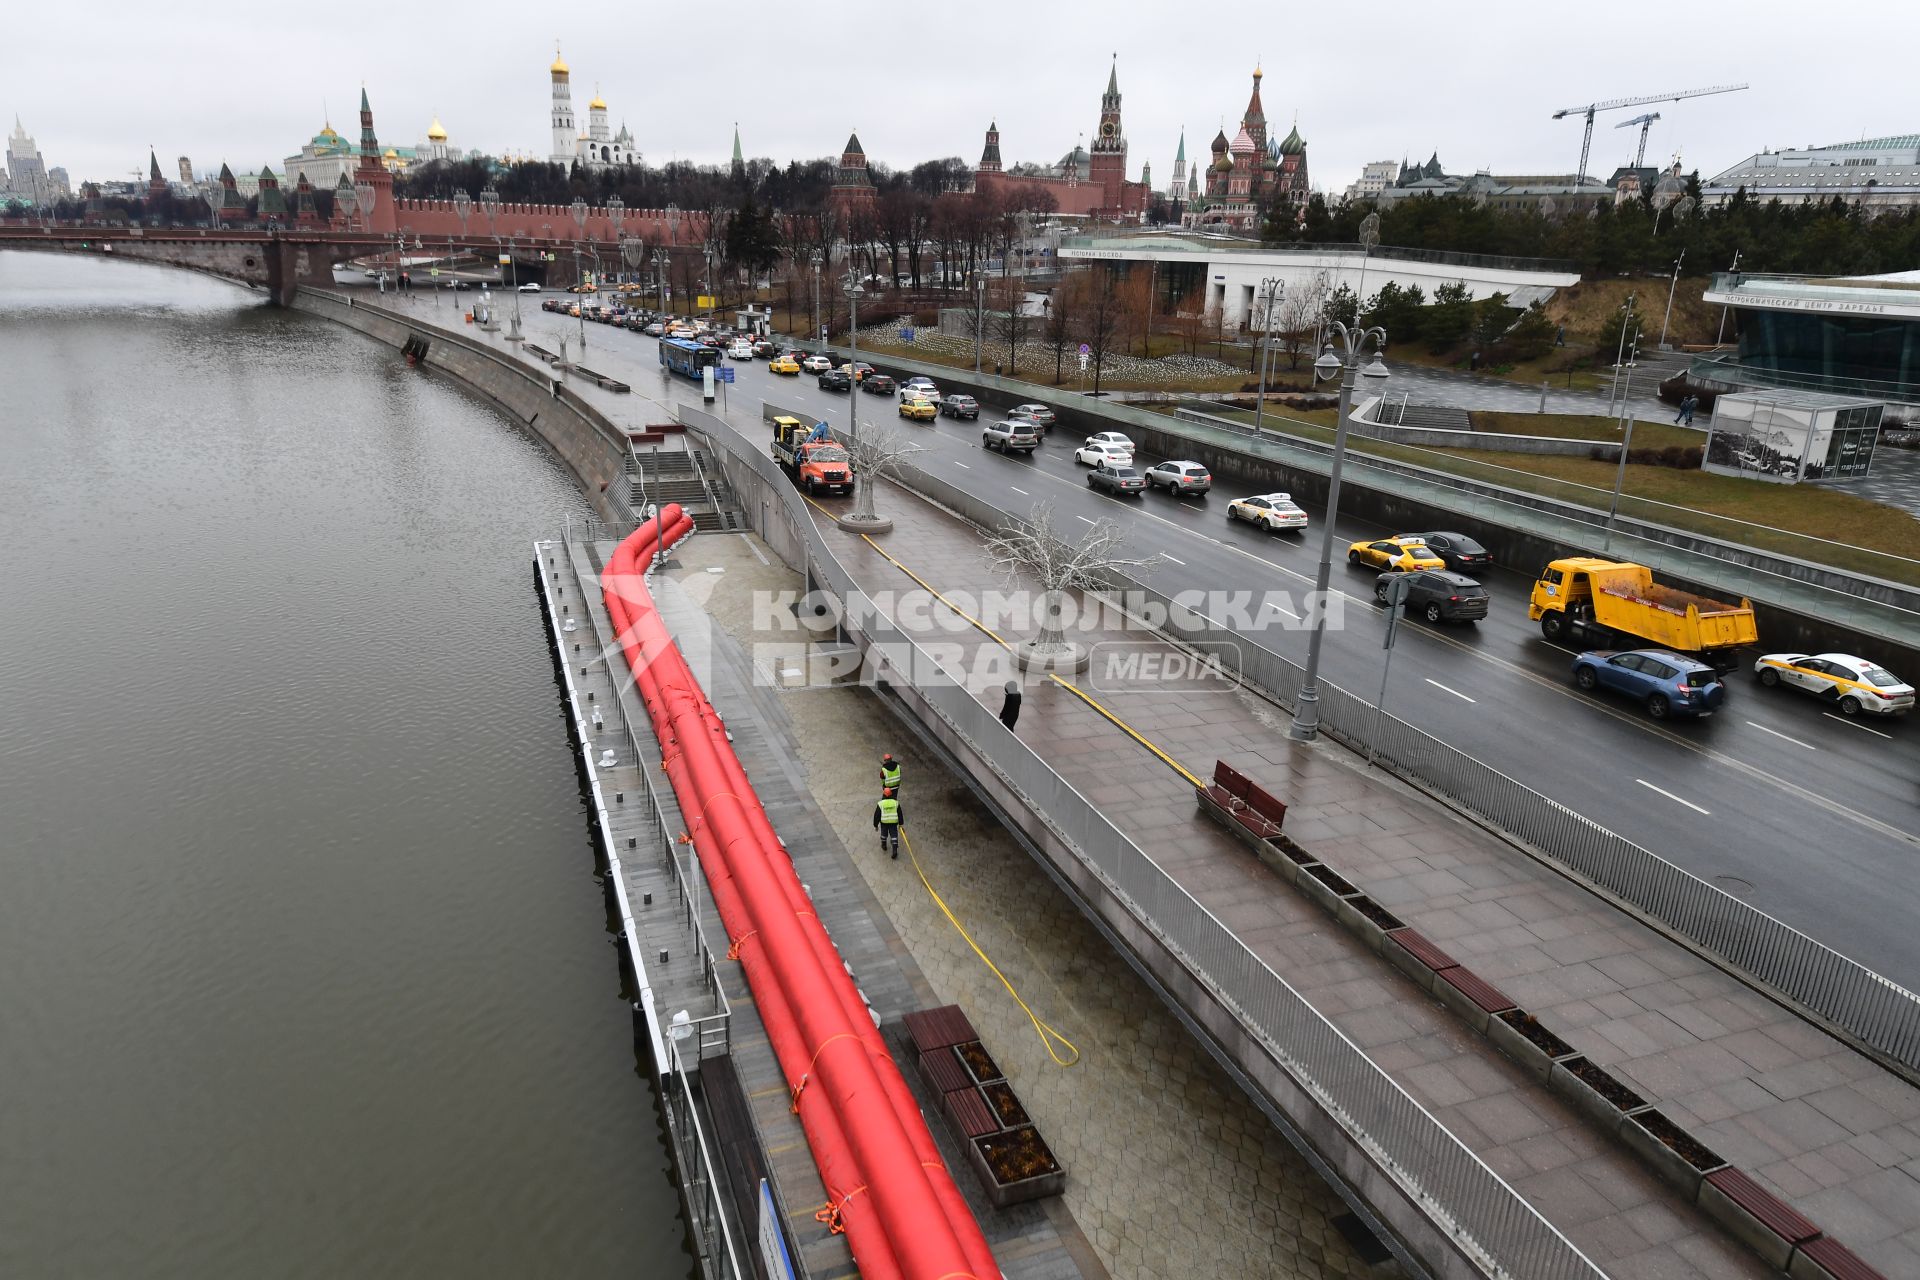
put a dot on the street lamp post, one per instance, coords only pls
(815, 258)
(660, 276)
(979, 319)
(1626, 447)
(706, 280)
(1306, 712)
(580, 229)
(852, 289)
(1620, 352)
(1720, 334)
(1671, 286)
(617, 212)
(1270, 288)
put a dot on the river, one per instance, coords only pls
(303, 970)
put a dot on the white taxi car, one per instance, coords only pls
(1271, 511)
(1095, 451)
(1853, 685)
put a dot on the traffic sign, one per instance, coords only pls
(703, 300)
(433, 271)
(724, 373)
(1085, 351)
(505, 258)
(906, 334)
(1083, 362)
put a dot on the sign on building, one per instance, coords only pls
(1788, 436)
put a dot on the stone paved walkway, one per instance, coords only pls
(1815, 1121)
(1173, 1172)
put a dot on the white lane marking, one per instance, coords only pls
(1455, 692)
(1085, 518)
(1017, 489)
(1174, 559)
(756, 551)
(1280, 608)
(1855, 724)
(1669, 795)
(1776, 733)
(963, 466)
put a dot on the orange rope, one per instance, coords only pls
(807, 1075)
(733, 951)
(834, 1210)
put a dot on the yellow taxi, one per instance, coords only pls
(583, 288)
(922, 410)
(1403, 551)
(1853, 685)
(784, 364)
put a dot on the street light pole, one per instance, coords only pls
(580, 227)
(1721, 333)
(1626, 446)
(1671, 286)
(852, 289)
(1270, 287)
(1619, 353)
(1306, 713)
(979, 320)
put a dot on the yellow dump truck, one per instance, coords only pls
(1609, 604)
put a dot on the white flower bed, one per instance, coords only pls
(1034, 358)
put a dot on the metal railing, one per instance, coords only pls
(1874, 1011)
(1450, 1184)
(1729, 370)
(699, 1176)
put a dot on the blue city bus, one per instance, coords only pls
(685, 357)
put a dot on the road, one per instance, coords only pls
(1806, 815)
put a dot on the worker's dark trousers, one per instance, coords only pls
(890, 838)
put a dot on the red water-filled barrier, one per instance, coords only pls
(888, 1188)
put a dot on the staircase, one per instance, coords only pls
(687, 477)
(1435, 417)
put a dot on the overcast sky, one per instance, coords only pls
(97, 83)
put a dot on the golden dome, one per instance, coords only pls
(559, 67)
(598, 103)
(436, 132)
(390, 154)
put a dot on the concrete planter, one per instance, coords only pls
(1368, 921)
(1286, 858)
(1519, 1035)
(1649, 1133)
(1325, 886)
(1606, 1114)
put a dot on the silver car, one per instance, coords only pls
(1180, 478)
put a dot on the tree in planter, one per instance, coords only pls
(1086, 562)
(877, 453)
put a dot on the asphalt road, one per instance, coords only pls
(1809, 817)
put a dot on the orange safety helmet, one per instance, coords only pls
(886, 793)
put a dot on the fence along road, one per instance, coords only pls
(1455, 1189)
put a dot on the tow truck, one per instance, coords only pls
(814, 459)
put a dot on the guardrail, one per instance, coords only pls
(1489, 492)
(1459, 1192)
(1876, 1014)
(1727, 369)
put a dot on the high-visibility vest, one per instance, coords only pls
(890, 775)
(889, 813)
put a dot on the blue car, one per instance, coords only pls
(1666, 684)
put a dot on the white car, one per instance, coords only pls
(1852, 684)
(1094, 452)
(529, 288)
(1271, 511)
(920, 389)
(1111, 437)
(816, 364)
(740, 350)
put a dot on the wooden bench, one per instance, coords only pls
(605, 382)
(1242, 805)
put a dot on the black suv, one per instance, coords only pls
(1438, 595)
(835, 380)
(958, 406)
(879, 384)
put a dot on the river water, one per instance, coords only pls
(303, 971)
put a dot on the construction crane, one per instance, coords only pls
(1615, 104)
(1645, 122)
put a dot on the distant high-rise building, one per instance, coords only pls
(27, 175)
(1375, 178)
(186, 172)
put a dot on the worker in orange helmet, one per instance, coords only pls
(889, 773)
(888, 817)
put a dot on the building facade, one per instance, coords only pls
(1548, 194)
(1879, 173)
(27, 177)
(1084, 183)
(1375, 178)
(597, 146)
(1250, 174)
(1858, 335)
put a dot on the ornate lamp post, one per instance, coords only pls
(616, 212)
(815, 259)
(490, 206)
(851, 287)
(706, 280)
(1306, 712)
(462, 208)
(660, 261)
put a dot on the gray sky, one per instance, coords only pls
(96, 84)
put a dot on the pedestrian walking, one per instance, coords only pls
(1692, 403)
(888, 817)
(889, 775)
(1685, 414)
(1010, 709)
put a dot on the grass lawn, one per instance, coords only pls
(1695, 497)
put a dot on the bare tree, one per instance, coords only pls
(1010, 320)
(1190, 321)
(1296, 319)
(1060, 320)
(1216, 329)
(876, 453)
(1100, 321)
(1084, 562)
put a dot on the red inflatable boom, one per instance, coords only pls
(889, 1189)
